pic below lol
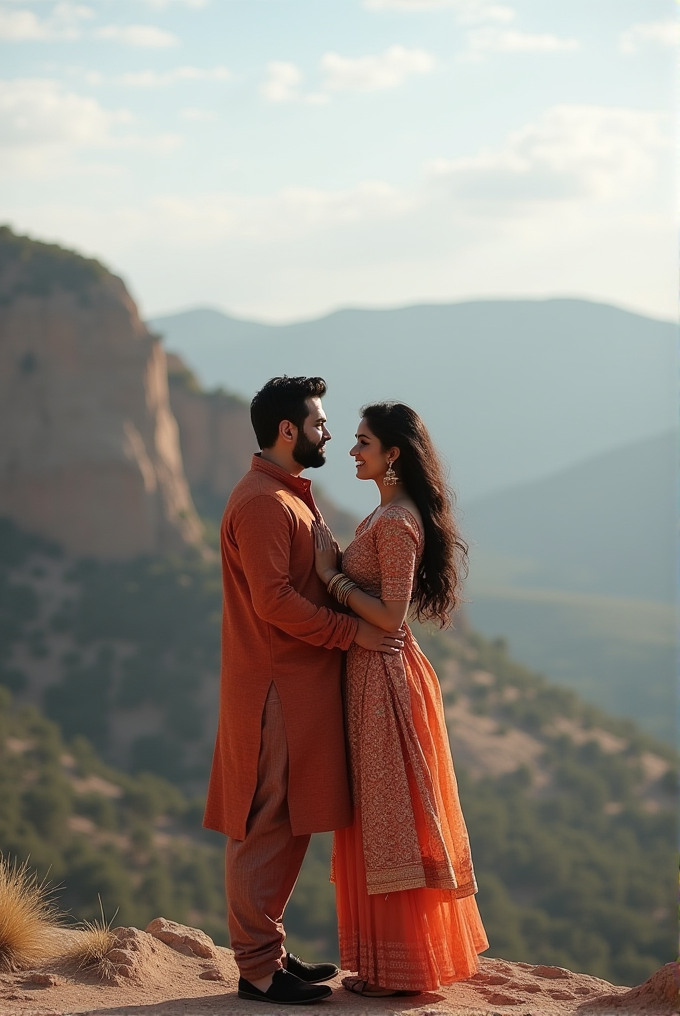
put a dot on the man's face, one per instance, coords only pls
(312, 436)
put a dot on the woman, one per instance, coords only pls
(407, 917)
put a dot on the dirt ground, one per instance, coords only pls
(171, 970)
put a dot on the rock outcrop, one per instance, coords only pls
(90, 453)
(216, 437)
(659, 995)
(190, 941)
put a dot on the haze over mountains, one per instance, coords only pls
(605, 526)
(574, 569)
(512, 390)
(557, 417)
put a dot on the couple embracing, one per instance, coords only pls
(330, 716)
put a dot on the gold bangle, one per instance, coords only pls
(341, 587)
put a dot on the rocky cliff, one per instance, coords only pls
(90, 451)
(216, 437)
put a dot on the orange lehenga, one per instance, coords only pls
(407, 916)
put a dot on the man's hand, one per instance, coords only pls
(378, 640)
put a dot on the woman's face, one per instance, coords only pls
(369, 455)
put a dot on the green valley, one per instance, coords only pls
(618, 653)
(571, 812)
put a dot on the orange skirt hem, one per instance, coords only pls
(414, 939)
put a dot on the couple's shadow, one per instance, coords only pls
(229, 1002)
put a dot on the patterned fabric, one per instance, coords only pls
(407, 917)
(413, 829)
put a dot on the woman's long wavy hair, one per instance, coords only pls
(444, 560)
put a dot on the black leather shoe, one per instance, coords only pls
(286, 989)
(312, 973)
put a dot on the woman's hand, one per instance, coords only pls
(327, 552)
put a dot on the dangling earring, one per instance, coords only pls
(390, 479)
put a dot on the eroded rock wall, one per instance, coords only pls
(90, 453)
(216, 436)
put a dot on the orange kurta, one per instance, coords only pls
(277, 626)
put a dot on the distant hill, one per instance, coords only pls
(618, 654)
(512, 390)
(577, 572)
(606, 526)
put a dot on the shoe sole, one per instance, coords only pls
(281, 1001)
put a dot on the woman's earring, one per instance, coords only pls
(390, 479)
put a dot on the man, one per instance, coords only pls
(279, 770)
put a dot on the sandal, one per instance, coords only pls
(359, 986)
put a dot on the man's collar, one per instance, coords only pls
(298, 484)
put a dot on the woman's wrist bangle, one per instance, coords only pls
(341, 587)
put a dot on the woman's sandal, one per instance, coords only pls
(359, 986)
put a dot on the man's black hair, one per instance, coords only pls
(282, 398)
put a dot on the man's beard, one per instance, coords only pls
(307, 454)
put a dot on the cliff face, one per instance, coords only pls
(90, 452)
(216, 437)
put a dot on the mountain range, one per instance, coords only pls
(512, 391)
(577, 572)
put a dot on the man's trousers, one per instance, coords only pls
(262, 869)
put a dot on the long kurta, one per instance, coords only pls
(277, 626)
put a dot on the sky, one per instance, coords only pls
(279, 159)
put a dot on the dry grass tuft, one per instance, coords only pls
(29, 918)
(90, 949)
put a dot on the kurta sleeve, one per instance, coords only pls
(396, 540)
(266, 566)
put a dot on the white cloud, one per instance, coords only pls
(468, 11)
(576, 201)
(147, 36)
(493, 40)
(573, 161)
(572, 153)
(374, 73)
(490, 37)
(282, 83)
(156, 79)
(43, 126)
(346, 74)
(41, 112)
(17, 26)
(654, 33)
(275, 219)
